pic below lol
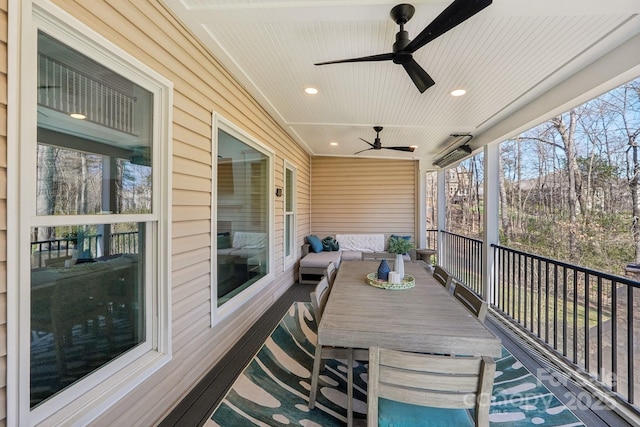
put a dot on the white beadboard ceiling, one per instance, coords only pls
(506, 56)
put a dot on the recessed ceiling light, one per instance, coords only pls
(458, 92)
(78, 116)
(333, 143)
(311, 90)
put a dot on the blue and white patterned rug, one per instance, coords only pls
(273, 390)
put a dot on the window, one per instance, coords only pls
(243, 217)
(92, 277)
(289, 214)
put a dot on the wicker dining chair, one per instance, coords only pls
(410, 389)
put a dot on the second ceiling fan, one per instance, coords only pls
(403, 49)
(377, 145)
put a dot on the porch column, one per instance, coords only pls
(491, 216)
(421, 237)
(442, 214)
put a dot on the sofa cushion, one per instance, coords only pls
(320, 259)
(226, 251)
(361, 242)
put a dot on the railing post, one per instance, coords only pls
(491, 218)
(421, 236)
(442, 215)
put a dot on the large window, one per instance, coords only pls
(243, 220)
(92, 286)
(87, 277)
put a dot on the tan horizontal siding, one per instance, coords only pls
(3, 210)
(201, 86)
(363, 196)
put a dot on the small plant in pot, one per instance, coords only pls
(399, 246)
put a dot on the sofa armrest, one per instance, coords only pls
(304, 250)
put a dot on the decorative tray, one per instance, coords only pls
(407, 283)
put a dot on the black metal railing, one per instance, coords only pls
(43, 251)
(432, 239)
(462, 257)
(125, 243)
(584, 316)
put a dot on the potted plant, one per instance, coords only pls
(399, 246)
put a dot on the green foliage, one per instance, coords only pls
(599, 168)
(398, 245)
(603, 244)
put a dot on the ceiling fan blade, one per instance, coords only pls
(366, 149)
(372, 146)
(421, 79)
(381, 57)
(455, 14)
(409, 149)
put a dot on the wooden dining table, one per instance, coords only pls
(424, 319)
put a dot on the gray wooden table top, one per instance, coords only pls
(424, 319)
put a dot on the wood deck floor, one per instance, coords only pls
(203, 399)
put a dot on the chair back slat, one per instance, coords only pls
(330, 273)
(442, 276)
(476, 305)
(435, 399)
(436, 382)
(319, 298)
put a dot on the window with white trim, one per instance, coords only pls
(94, 173)
(289, 214)
(244, 215)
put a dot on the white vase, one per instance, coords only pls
(399, 265)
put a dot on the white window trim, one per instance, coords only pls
(219, 313)
(90, 397)
(289, 261)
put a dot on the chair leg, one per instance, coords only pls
(317, 361)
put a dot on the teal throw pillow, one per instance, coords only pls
(315, 243)
(224, 241)
(329, 244)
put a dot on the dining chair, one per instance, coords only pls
(428, 390)
(330, 273)
(442, 276)
(319, 297)
(476, 305)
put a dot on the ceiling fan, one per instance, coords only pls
(377, 145)
(403, 49)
